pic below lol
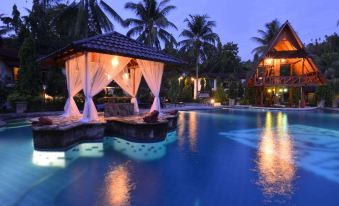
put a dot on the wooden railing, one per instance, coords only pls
(310, 79)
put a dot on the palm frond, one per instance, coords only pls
(112, 12)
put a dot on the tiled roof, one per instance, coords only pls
(116, 44)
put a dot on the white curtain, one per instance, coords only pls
(129, 82)
(100, 69)
(152, 72)
(73, 77)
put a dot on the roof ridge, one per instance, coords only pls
(91, 38)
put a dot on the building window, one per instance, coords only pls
(285, 70)
(15, 73)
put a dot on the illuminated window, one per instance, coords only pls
(15, 73)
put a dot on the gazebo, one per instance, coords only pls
(92, 63)
(284, 65)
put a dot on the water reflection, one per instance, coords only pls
(63, 158)
(275, 162)
(181, 129)
(187, 130)
(192, 131)
(118, 186)
(136, 151)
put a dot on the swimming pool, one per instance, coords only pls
(223, 157)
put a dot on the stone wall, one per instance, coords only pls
(118, 109)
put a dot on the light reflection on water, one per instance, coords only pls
(188, 121)
(118, 186)
(275, 158)
(192, 135)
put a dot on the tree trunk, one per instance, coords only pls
(197, 76)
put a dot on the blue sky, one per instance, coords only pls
(239, 20)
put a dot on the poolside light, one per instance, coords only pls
(212, 101)
(269, 61)
(115, 62)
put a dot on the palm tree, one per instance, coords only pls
(151, 22)
(266, 36)
(85, 18)
(4, 29)
(199, 38)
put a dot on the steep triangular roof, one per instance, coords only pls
(286, 33)
(285, 44)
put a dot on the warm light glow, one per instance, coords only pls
(115, 61)
(285, 90)
(275, 158)
(93, 57)
(283, 60)
(180, 78)
(118, 186)
(212, 101)
(269, 90)
(280, 90)
(192, 79)
(109, 77)
(269, 61)
(47, 97)
(125, 76)
(181, 129)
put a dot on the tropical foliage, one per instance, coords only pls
(198, 38)
(151, 23)
(51, 24)
(265, 36)
(85, 18)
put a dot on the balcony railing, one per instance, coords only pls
(310, 79)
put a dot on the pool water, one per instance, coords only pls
(224, 157)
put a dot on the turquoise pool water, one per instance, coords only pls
(223, 157)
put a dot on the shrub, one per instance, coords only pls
(326, 93)
(173, 91)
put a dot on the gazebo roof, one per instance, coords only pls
(112, 43)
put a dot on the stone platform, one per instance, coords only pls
(66, 133)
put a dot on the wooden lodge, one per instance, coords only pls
(284, 68)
